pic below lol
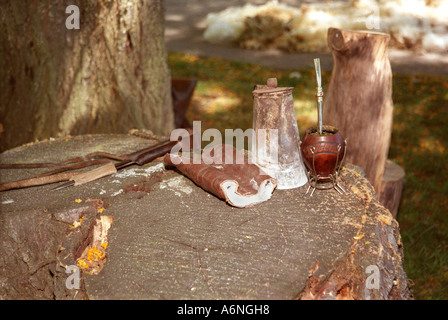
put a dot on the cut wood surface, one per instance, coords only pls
(359, 97)
(170, 239)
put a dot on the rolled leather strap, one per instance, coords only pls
(239, 184)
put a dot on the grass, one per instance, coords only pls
(419, 144)
(223, 99)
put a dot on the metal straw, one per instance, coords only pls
(319, 93)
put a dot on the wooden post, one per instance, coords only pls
(182, 90)
(359, 98)
(391, 186)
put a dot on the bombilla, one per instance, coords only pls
(319, 93)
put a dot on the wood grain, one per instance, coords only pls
(359, 97)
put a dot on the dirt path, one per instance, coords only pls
(185, 25)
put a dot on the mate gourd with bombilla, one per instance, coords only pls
(322, 148)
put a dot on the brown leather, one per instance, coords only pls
(219, 178)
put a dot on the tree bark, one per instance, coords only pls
(108, 76)
(359, 98)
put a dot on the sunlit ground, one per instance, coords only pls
(223, 100)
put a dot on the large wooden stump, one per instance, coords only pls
(169, 239)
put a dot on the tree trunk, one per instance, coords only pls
(359, 98)
(108, 76)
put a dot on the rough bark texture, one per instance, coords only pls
(109, 76)
(359, 97)
(171, 239)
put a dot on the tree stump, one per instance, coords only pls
(170, 239)
(391, 187)
(359, 98)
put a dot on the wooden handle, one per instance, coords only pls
(38, 181)
(95, 174)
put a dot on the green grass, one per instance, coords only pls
(419, 144)
(223, 99)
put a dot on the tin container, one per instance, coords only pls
(276, 140)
